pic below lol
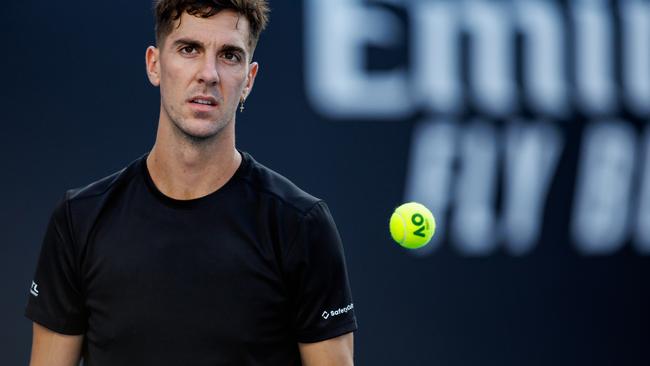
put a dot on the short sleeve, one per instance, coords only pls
(55, 297)
(318, 278)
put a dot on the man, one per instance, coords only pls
(194, 254)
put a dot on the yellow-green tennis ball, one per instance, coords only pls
(412, 225)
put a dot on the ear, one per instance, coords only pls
(152, 59)
(250, 79)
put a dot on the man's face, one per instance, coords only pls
(203, 71)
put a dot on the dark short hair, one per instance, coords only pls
(168, 11)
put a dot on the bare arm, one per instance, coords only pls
(54, 349)
(337, 351)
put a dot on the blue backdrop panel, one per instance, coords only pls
(523, 125)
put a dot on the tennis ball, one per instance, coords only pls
(412, 225)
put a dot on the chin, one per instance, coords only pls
(200, 130)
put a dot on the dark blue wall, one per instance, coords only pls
(76, 106)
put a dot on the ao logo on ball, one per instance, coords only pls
(412, 225)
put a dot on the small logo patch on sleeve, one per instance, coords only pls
(337, 312)
(34, 289)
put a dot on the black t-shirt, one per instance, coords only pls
(237, 277)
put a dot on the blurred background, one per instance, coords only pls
(523, 126)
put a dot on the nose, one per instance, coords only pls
(208, 72)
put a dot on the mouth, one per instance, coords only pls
(203, 102)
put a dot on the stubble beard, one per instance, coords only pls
(181, 127)
(199, 139)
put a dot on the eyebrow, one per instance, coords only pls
(188, 42)
(200, 45)
(232, 48)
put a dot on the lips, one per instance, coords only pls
(203, 101)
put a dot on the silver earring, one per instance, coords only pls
(241, 105)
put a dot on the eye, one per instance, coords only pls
(232, 56)
(188, 50)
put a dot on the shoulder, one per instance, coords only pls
(95, 189)
(105, 185)
(275, 187)
(301, 221)
(82, 205)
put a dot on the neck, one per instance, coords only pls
(185, 169)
